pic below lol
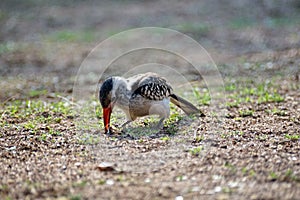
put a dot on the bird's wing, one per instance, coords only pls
(151, 86)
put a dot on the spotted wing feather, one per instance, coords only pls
(153, 88)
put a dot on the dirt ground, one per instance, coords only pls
(250, 152)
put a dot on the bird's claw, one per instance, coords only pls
(112, 130)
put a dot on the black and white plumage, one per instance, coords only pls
(140, 95)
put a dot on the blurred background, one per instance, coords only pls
(50, 38)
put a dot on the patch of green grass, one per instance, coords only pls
(273, 176)
(7, 47)
(37, 93)
(201, 29)
(231, 167)
(241, 23)
(238, 119)
(262, 137)
(36, 117)
(31, 126)
(101, 182)
(4, 188)
(181, 178)
(87, 138)
(3, 15)
(196, 151)
(75, 197)
(202, 97)
(54, 132)
(289, 175)
(244, 170)
(171, 124)
(232, 134)
(252, 92)
(233, 104)
(166, 138)
(230, 87)
(61, 107)
(276, 111)
(138, 131)
(252, 173)
(270, 97)
(43, 137)
(72, 36)
(80, 183)
(198, 139)
(172, 129)
(246, 113)
(276, 22)
(227, 190)
(293, 137)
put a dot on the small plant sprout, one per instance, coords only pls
(246, 113)
(293, 137)
(196, 151)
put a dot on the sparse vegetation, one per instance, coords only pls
(52, 146)
(292, 137)
(72, 36)
(196, 151)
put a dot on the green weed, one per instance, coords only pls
(244, 170)
(43, 137)
(230, 87)
(246, 113)
(198, 139)
(292, 137)
(273, 176)
(166, 138)
(203, 98)
(289, 175)
(101, 182)
(7, 47)
(232, 134)
(72, 36)
(251, 92)
(80, 183)
(196, 151)
(37, 93)
(88, 139)
(75, 197)
(252, 173)
(230, 166)
(242, 22)
(276, 111)
(197, 28)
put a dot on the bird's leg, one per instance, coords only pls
(160, 124)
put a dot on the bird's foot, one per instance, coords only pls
(112, 130)
(159, 125)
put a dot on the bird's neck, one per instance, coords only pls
(122, 92)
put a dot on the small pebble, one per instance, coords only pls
(110, 182)
(147, 180)
(218, 189)
(179, 198)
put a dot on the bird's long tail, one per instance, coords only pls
(187, 107)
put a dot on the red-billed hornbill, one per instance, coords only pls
(140, 95)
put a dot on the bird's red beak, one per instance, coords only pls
(106, 118)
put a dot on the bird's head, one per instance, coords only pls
(107, 101)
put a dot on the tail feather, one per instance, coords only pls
(187, 107)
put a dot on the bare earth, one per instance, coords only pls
(253, 154)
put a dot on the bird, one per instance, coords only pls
(140, 95)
